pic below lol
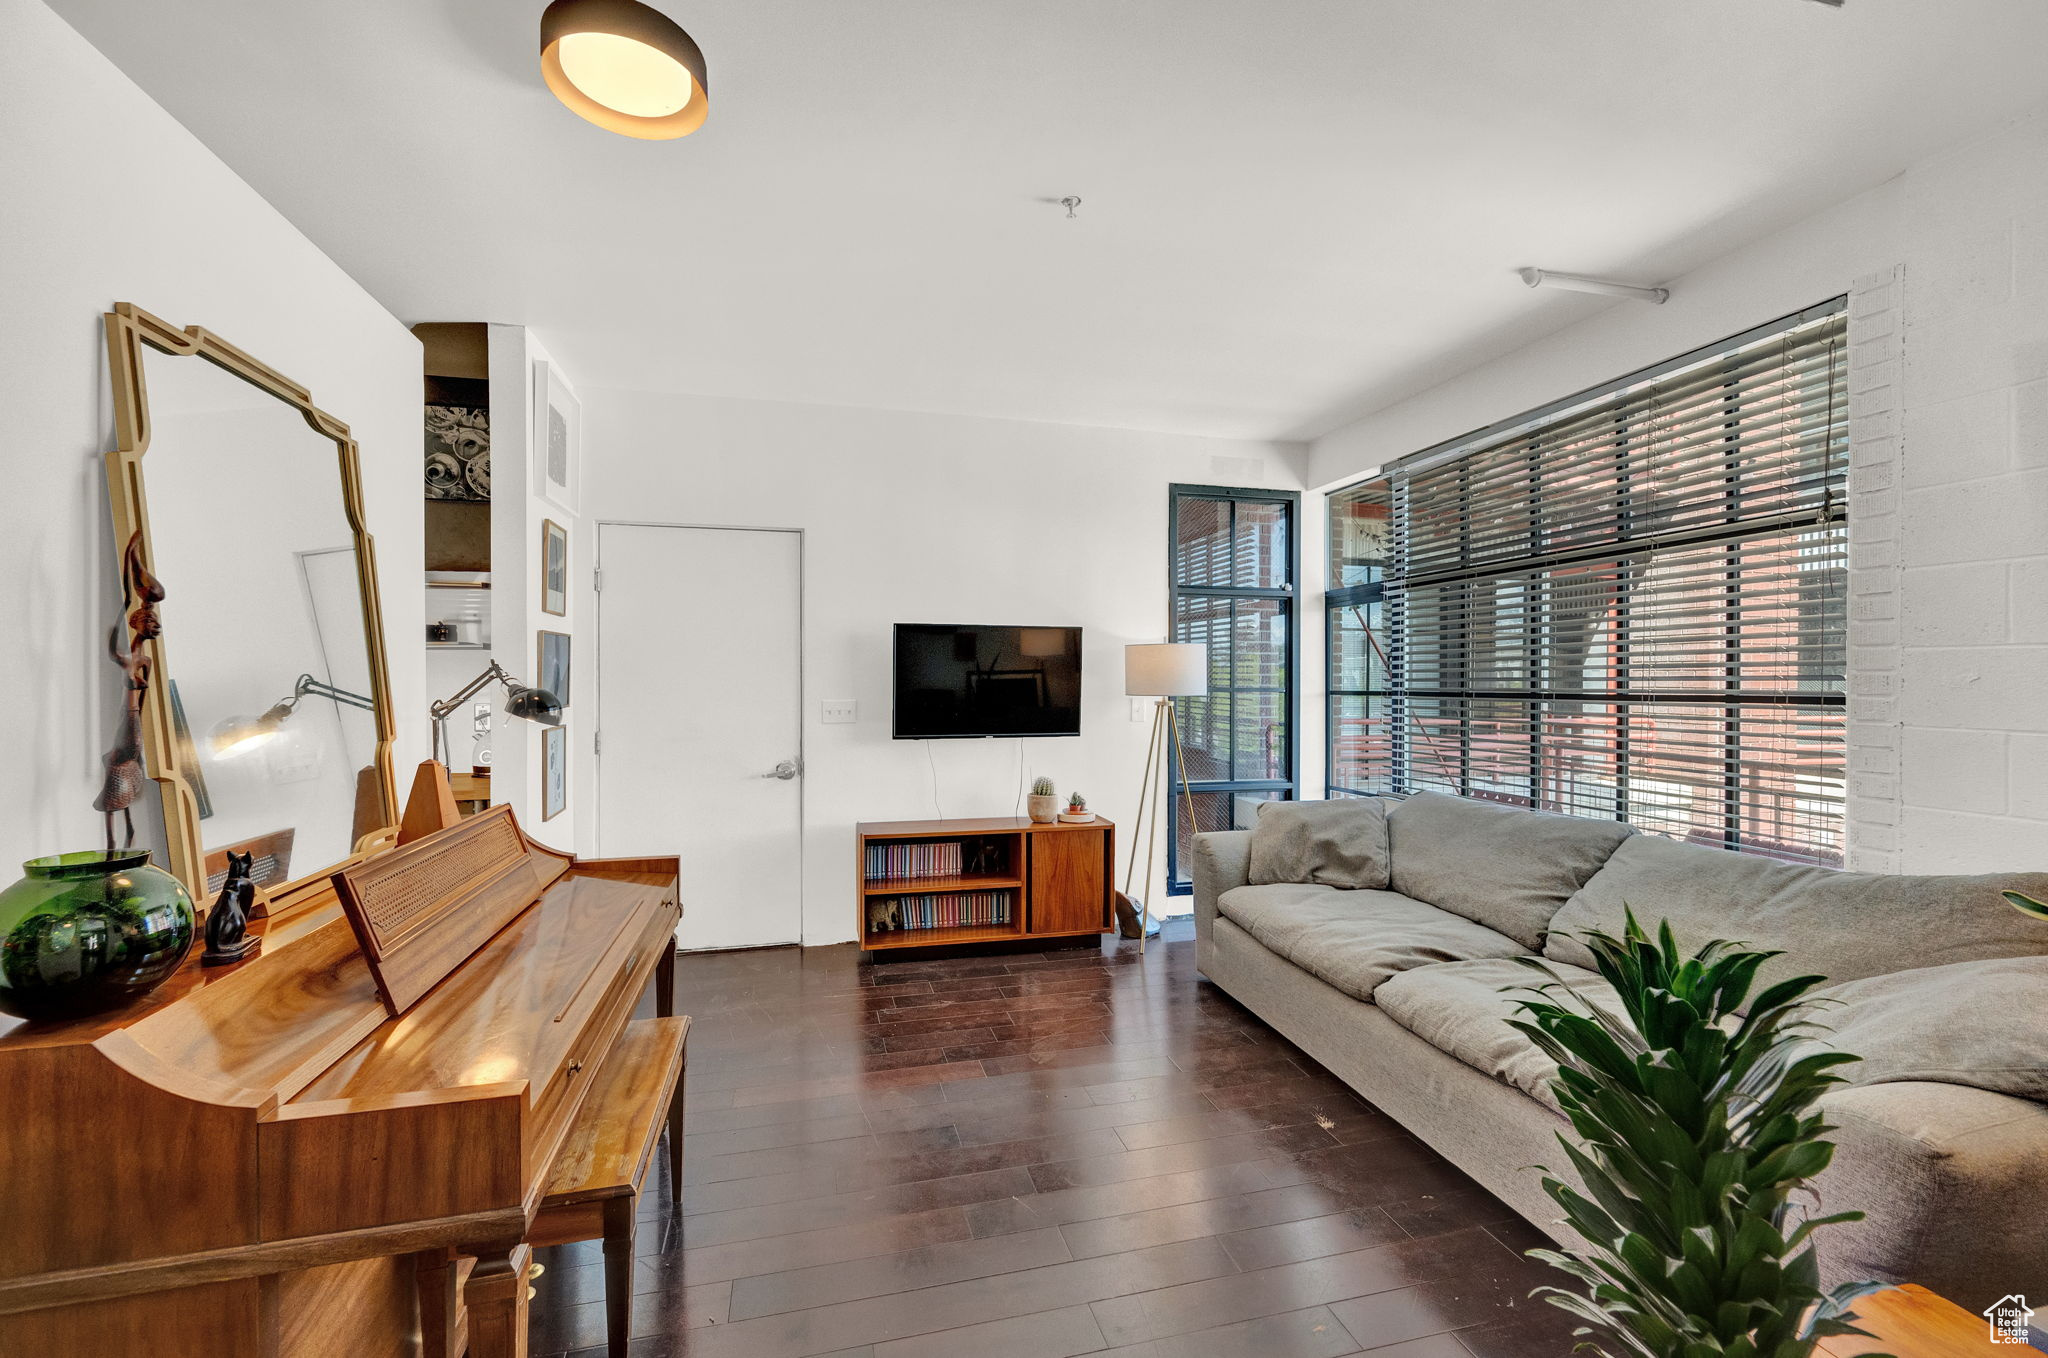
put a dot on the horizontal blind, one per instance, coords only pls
(1636, 608)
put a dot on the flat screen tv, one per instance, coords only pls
(965, 683)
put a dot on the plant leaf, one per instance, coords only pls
(1693, 1111)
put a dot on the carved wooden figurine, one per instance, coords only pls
(227, 925)
(122, 783)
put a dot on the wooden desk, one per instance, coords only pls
(472, 791)
(1912, 1322)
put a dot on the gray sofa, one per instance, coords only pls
(1398, 992)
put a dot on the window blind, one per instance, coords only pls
(1635, 606)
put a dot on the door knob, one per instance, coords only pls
(786, 770)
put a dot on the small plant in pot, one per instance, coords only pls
(1044, 801)
(1696, 1110)
(1077, 812)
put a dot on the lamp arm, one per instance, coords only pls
(440, 711)
(309, 685)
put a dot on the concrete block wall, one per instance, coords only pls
(1968, 693)
(1876, 466)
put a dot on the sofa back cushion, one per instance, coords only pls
(1501, 866)
(1968, 1023)
(1341, 842)
(1841, 925)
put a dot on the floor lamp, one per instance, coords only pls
(1164, 671)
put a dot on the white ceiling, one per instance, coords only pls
(1294, 211)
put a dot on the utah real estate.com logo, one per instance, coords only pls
(2009, 1317)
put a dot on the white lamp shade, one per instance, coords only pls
(1166, 670)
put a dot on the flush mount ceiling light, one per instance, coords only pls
(625, 66)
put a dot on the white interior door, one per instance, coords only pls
(700, 693)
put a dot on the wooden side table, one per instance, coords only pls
(1911, 1322)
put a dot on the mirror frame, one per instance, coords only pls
(128, 329)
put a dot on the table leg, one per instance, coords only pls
(675, 1139)
(440, 1308)
(495, 1299)
(665, 983)
(619, 1221)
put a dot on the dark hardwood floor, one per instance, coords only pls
(1040, 1156)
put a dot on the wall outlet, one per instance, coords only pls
(838, 711)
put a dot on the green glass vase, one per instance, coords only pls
(82, 933)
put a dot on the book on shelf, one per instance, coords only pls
(940, 910)
(897, 862)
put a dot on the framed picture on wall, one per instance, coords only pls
(554, 771)
(554, 568)
(458, 439)
(551, 666)
(557, 438)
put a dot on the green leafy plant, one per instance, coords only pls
(1076, 802)
(1043, 787)
(2026, 905)
(1698, 1123)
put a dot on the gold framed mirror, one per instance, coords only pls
(267, 725)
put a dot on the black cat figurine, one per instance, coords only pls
(227, 925)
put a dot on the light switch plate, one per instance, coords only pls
(838, 711)
(1141, 708)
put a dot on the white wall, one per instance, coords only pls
(104, 198)
(1949, 417)
(922, 518)
(517, 514)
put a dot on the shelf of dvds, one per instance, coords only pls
(935, 883)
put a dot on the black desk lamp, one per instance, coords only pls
(532, 704)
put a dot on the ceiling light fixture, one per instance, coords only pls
(625, 66)
(1604, 287)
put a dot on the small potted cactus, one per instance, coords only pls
(1044, 802)
(1077, 812)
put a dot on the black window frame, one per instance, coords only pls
(1337, 598)
(1402, 747)
(1289, 595)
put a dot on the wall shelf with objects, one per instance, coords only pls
(458, 611)
(942, 883)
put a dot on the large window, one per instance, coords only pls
(1230, 579)
(1631, 606)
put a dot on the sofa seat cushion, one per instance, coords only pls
(1501, 866)
(1355, 940)
(1968, 1023)
(1841, 925)
(1462, 1009)
(1340, 842)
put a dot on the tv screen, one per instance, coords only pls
(962, 683)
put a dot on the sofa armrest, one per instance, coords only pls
(1951, 1179)
(1223, 860)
